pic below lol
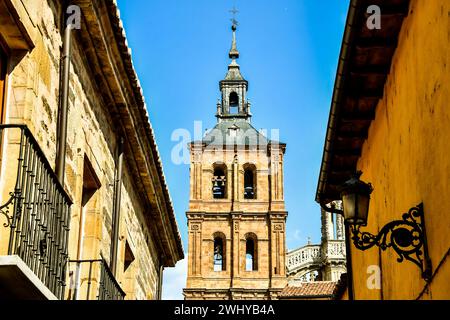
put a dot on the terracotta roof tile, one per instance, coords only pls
(309, 289)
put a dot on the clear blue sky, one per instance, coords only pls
(289, 53)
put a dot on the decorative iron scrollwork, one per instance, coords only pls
(407, 237)
(4, 210)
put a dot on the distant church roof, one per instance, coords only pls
(234, 131)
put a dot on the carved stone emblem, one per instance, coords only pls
(278, 227)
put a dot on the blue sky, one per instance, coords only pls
(289, 53)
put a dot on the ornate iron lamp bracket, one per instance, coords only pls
(407, 237)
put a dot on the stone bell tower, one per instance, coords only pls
(237, 215)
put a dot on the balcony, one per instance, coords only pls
(93, 280)
(303, 257)
(35, 216)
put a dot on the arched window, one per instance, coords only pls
(249, 182)
(219, 182)
(234, 103)
(219, 252)
(251, 258)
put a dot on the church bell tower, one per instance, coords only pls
(237, 215)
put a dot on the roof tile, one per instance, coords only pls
(308, 289)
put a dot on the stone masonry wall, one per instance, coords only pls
(33, 99)
(236, 219)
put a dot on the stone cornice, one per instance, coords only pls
(104, 41)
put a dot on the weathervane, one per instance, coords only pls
(234, 11)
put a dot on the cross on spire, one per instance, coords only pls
(234, 11)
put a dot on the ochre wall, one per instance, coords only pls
(407, 155)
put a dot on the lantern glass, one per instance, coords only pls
(349, 204)
(355, 200)
(363, 209)
(356, 208)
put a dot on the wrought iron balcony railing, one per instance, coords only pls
(93, 279)
(37, 210)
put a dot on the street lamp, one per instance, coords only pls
(355, 196)
(406, 236)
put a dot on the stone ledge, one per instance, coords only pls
(18, 281)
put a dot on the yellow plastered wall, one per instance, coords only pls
(407, 155)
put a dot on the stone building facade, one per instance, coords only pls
(320, 262)
(61, 233)
(237, 215)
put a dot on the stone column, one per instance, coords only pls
(340, 231)
(235, 249)
(235, 184)
(327, 226)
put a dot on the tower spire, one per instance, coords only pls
(234, 104)
(234, 53)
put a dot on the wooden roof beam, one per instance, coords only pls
(358, 116)
(370, 70)
(382, 43)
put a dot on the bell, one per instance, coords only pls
(248, 192)
(217, 191)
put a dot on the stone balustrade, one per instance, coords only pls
(303, 256)
(312, 256)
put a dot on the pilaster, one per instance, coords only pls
(278, 249)
(235, 261)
